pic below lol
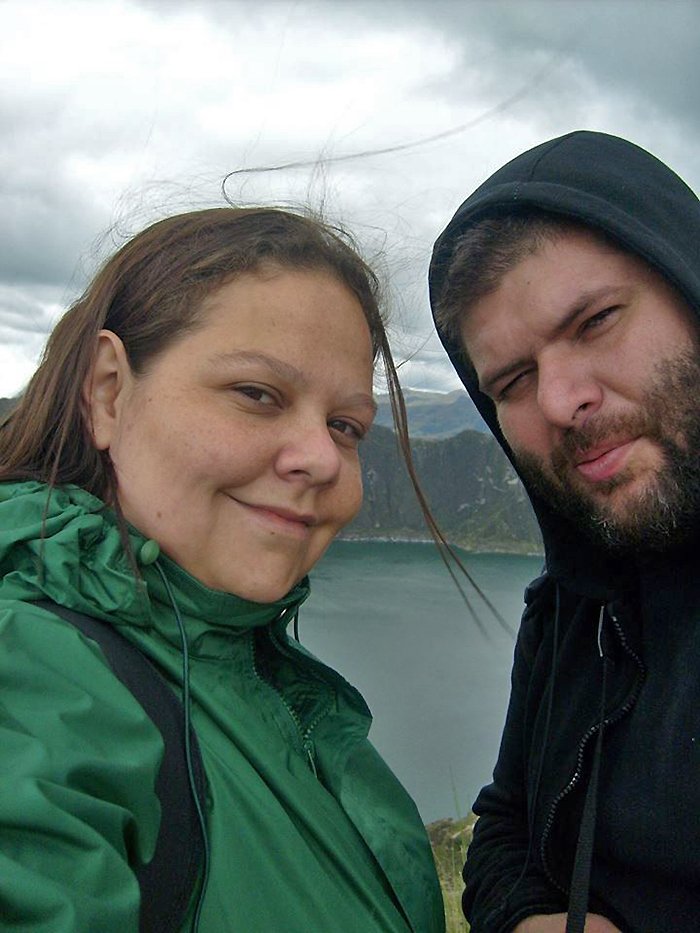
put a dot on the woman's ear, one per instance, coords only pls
(106, 388)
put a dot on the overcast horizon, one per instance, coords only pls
(117, 113)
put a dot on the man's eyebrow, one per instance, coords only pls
(486, 384)
(285, 371)
(582, 304)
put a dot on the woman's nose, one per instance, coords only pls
(311, 453)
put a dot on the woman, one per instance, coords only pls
(183, 456)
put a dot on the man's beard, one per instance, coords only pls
(666, 511)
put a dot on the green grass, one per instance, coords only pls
(450, 840)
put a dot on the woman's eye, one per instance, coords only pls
(348, 429)
(256, 394)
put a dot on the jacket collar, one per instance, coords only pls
(64, 544)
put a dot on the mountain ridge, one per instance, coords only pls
(434, 414)
(473, 492)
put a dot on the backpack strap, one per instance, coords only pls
(168, 880)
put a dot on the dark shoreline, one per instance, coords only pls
(407, 538)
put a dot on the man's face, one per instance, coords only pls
(591, 359)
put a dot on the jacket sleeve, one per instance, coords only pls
(503, 883)
(78, 762)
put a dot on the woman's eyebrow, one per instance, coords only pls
(284, 370)
(362, 400)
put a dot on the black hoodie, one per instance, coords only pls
(646, 871)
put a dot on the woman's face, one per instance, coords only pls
(237, 450)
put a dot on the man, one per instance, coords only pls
(566, 291)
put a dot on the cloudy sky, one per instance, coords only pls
(116, 113)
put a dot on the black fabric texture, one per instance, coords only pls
(645, 876)
(168, 881)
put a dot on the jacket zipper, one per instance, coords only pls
(304, 735)
(610, 720)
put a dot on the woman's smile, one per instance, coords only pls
(280, 520)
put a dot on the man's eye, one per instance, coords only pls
(598, 319)
(511, 387)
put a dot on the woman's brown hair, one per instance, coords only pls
(149, 293)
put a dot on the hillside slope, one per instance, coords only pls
(472, 489)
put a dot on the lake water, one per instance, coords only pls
(388, 617)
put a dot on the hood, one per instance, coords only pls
(611, 185)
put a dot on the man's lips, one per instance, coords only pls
(603, 462)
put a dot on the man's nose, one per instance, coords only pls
(567, 391)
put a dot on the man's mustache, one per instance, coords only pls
(622, 427)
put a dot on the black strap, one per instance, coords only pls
(581, 875)
(168, 880)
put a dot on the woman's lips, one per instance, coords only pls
(604, 462)
(280, 519)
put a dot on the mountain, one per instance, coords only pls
(434, 414)
(472, 489)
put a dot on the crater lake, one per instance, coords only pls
(387, 616)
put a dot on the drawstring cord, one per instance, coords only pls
(188, 748)
(581, 875)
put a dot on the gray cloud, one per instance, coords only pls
(116, 113)
(646, 48)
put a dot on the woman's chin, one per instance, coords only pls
(263, 591)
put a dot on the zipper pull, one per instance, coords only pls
(309, 749)
(600, 631)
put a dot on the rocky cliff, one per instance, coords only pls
(472, 489)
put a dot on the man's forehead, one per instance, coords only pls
(561, 265)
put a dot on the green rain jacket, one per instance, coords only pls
(309, 829)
